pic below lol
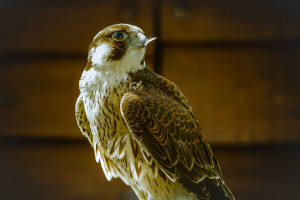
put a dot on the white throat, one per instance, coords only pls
(105, 75)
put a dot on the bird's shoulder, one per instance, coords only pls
(152, 82)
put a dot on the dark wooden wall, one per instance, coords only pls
(236, 61)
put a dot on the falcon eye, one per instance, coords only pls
(118, 36)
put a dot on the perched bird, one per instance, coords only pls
(141, 126)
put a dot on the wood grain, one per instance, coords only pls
(70, 25)
(54, 171)
(67, 170)
(244, 91)
(240, 94)
(232, 20)
(37, 97)
(64, 25)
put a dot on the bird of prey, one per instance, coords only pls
(140, 125)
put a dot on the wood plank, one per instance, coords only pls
(259, 171)
(37, 97)
(231, 20)
(54, 171)
(64, 25)
(240, 94)
(67, 170)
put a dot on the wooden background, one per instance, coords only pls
(236, 61)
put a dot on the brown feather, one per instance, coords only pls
(171, 135)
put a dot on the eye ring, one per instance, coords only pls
(118, 36)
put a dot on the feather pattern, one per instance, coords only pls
(161, 120)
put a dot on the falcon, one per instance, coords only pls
(140, 125)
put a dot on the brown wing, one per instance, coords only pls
(162, 122)
(82, 121)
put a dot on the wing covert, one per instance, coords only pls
(168, 131)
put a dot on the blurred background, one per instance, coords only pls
(238, 63)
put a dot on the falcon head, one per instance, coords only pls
(114, 53)
(118, 47)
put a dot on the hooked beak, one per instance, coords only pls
(140, 40)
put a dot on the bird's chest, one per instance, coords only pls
(104, 115)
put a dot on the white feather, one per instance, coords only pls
(105, 75)
(99, 54)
